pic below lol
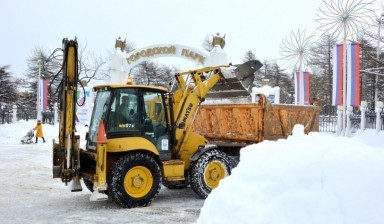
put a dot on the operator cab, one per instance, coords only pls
(131, 111)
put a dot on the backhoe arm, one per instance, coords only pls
(66, 152)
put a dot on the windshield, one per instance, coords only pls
(123, 114)
(99, 112)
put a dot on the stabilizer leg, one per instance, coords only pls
(76, 185)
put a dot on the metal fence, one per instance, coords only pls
(328, 123)
(6, 115)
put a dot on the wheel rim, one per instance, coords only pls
(138, 181)
(214, 172)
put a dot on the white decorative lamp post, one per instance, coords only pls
(295, 51)
(363, 109)
(349, 113)
(55, 113)
(14, 113)
(346, 17)
(378, 110)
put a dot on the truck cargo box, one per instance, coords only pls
(243, 124)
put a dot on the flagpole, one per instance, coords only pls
(301, 84)
(38, 106)
(296, 79)
(344, 77)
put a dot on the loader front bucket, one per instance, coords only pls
(237, 80)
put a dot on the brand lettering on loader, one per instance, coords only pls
(187, 112)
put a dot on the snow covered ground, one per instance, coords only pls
(315, 178)
(29, 194)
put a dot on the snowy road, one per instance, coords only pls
(30, 195)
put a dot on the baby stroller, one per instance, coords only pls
(27, 139)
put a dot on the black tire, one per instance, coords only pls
(206, 172)
(134, 169)
(88, 184)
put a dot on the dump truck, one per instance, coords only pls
(140, 136)
(233, 126)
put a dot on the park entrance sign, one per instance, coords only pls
(122, 63)
(167, 50)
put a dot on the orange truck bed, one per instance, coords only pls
(243, 124)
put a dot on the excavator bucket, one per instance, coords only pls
(237, 80)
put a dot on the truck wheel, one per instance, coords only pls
(88, 184)
(134, 180)
(206, 172)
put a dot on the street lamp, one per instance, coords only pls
(346, 18)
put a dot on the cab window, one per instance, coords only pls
(123, 115)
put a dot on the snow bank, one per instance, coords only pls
(315, 178)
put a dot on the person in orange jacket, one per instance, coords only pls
(39, 131)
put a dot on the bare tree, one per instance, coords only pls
(91, 67)
(249, 56)
(369, 70)
(7, 86)
(277, 77)
(150, 73)
(321, 63)
(49, 66)
(130, 46)
(207, 43)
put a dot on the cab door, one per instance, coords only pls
(155, 122)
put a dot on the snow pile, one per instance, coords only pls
(315, 178)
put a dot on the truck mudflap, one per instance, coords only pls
(237, 80)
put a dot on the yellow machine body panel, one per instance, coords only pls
(173, 170)
(126, 144)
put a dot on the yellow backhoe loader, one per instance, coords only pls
(141, 136)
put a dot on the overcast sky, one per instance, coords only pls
(256, 25)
